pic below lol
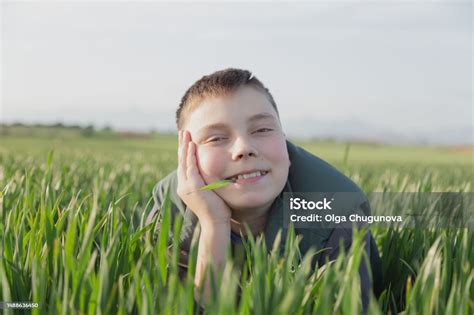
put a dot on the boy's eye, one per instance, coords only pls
(216, 139)
(264, 130)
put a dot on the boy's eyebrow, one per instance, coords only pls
(259, 116)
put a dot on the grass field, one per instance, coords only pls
(73, 238)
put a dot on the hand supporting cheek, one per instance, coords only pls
(206, 204)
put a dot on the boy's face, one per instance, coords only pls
(240, 133)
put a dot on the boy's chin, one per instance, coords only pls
(249, 202)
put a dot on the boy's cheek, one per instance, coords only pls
(208, 165)
(201, 162)
(278, 150)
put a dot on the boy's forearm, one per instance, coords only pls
(214, 242)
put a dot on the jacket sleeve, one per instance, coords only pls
(164, 186)
(159, 192)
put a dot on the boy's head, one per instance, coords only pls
(234, 122)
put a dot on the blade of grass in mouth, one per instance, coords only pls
(214, 185)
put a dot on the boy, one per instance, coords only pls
(229, 128)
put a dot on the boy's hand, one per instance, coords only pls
(206, 204)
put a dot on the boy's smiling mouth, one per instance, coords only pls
(247, 177)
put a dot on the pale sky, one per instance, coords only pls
(396, 71)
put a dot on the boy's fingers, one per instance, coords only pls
(182, 150)
(191, 171)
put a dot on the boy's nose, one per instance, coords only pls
(247, 154)
(243, 149)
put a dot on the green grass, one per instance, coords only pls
(74, 240)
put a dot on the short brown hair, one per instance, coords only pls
(219, 83)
